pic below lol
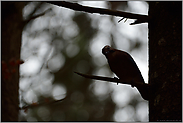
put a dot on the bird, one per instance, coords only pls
(124, 66)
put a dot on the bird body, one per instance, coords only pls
(123, 65)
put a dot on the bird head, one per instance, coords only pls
(107, 50)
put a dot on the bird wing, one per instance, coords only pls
(123, 65)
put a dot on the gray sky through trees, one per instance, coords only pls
(63, 41)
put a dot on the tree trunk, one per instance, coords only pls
(11, 42)
(165, 43)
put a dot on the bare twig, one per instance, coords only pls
(75, 6)
(144, 89)
(121, 19)
(38, 15)
(40, 104)
(115, 80)
(39, 4)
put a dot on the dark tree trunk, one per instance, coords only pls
(11, 17)
(165, 61)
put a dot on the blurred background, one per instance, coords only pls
(63, 41)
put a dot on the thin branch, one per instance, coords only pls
(38, 15)
(115, 80)
(75, 6)
(121, 19)
(40, 104)
(36, 8)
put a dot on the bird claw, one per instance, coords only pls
(116, 78)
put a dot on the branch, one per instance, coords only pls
(40, 104)
(144, 89)
(75, 6)
(115, 80)
(38, 15)
(36, 8)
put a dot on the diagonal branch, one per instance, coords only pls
(42, 103)
(75, 6)
(36, 16)
(115, 80)
(144, 89)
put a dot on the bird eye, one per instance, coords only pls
(108, 48)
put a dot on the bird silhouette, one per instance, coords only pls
(123, 65)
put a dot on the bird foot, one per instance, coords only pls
(116, 78)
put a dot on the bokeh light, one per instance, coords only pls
(63, 41)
